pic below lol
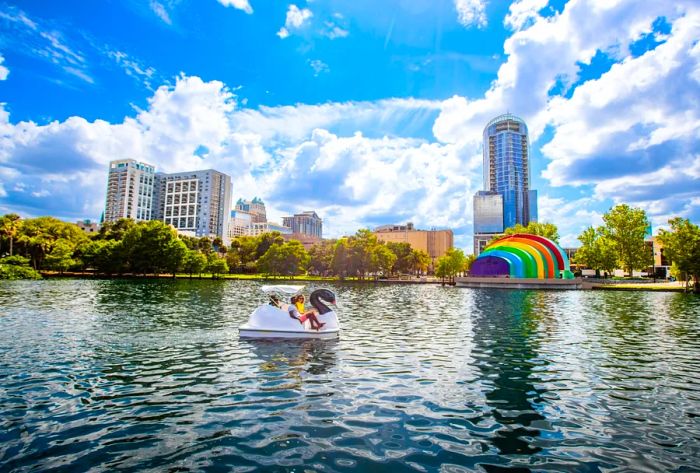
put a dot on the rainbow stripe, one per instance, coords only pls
(523, 256)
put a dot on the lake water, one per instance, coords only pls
(151, 376)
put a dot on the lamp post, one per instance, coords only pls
(653, 260)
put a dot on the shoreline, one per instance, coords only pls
(586, 286)
(239, 277)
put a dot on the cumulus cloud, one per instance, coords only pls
(471, 12)
(629, 133)
(295, 20)
(238, 4)
(522, 13)
(38, 161)
(356, 181)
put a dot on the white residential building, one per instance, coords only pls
(197, 202)
(129, 190)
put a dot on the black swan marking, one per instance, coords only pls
(318, 296)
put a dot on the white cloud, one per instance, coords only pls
(60, 157)
(318, 66)
(161, 12)
(283, 33)
(29, 37)
(357, 181)
(295, 20)
(471, 12)
(333, 31)
(132, 67)
(523, 12)
(4, 71)
(238, 4)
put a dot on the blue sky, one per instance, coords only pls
(368, 112)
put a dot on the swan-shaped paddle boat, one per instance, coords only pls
(273, 321)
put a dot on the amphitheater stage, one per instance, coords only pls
(518, 283)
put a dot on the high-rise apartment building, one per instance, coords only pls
(507, 198)
(305, 223)
(197, 202)
(255, 207)
(129, 190)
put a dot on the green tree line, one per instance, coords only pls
(128, 247)
(620, 243)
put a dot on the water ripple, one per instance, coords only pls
(151, 376)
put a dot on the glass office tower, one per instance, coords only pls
(506, 174)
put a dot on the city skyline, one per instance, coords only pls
(367, 116)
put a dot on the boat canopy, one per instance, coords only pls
(284, 289)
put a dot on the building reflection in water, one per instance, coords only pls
(506, 349)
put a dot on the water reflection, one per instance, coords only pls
(506, 346)
(293, 358)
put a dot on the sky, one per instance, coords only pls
(368, 112)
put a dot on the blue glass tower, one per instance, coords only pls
(506, 175)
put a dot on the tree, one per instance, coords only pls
(321, 257)
(442, 269)
(547, 230)
(150, 248)
(682, 247)
(205, 245)
(219, 246)
(421, 261)
(383, 259)
(626, 227)
(265, 241)
(341, 264)
(194, 262)
(9, 226)
(60, 257)
(17, 267)
(37, 237)
(450, 264)
(404, 257)
(246, 247)
(597, 252)
(175, 252)
(233, 260)
(216, 265)
(105, 256)
(286, 259)
(115, 230)
(362, 246)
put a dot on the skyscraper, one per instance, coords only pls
(196, 202)
(255, 207)
(305, 223)
(507, 198)
(129, 190)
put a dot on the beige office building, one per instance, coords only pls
(434, 242)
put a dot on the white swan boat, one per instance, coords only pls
(273, 320)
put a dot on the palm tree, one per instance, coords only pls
(9, 226)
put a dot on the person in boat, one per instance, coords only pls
(297, 311)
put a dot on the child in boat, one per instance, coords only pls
(296, 311)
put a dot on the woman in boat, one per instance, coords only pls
(296, 311)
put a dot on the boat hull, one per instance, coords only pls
(271, 322)
(262, 333)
